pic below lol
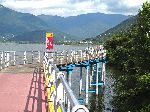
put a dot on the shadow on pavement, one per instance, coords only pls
(36, 101)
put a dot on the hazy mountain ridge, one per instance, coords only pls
(122, 27)
(14, 24)
(85, 25)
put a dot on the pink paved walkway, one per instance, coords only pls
(22, 93)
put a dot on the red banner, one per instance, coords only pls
(49, 41)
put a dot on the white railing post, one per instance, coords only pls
(14, 58)
(25, 57)
(67, 56)
(52, 57)
(90, 76)
(97, 74)
(55, 97)
(87, 86)
(71, 56)
(61, 57)
(5, 59)
(39, 58)
(59, 88)
(32, 56)
(8, 61)
(56, 57)
(104, 73)
(76, 56)
(81, 55)
(1, 61)
(102, 78)
(80, 87)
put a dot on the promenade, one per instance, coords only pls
(22, 89)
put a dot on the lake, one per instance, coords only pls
(36, 47)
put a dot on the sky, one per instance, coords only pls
(67, 8)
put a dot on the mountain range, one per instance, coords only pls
(122, 27)
(85, 25)
(17, 26)
(14, 24)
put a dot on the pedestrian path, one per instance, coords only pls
(22, 92)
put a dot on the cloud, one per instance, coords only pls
(74, 7)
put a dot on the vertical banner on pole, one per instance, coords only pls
(49, 40)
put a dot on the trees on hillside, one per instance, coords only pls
(130, 52)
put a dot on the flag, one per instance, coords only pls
(49, 41)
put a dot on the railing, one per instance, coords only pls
(60, 97)
(65, 57)
(8, 58)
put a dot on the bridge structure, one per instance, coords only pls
(56, 70)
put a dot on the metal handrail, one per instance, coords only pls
(73, 100)
(58, 83)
